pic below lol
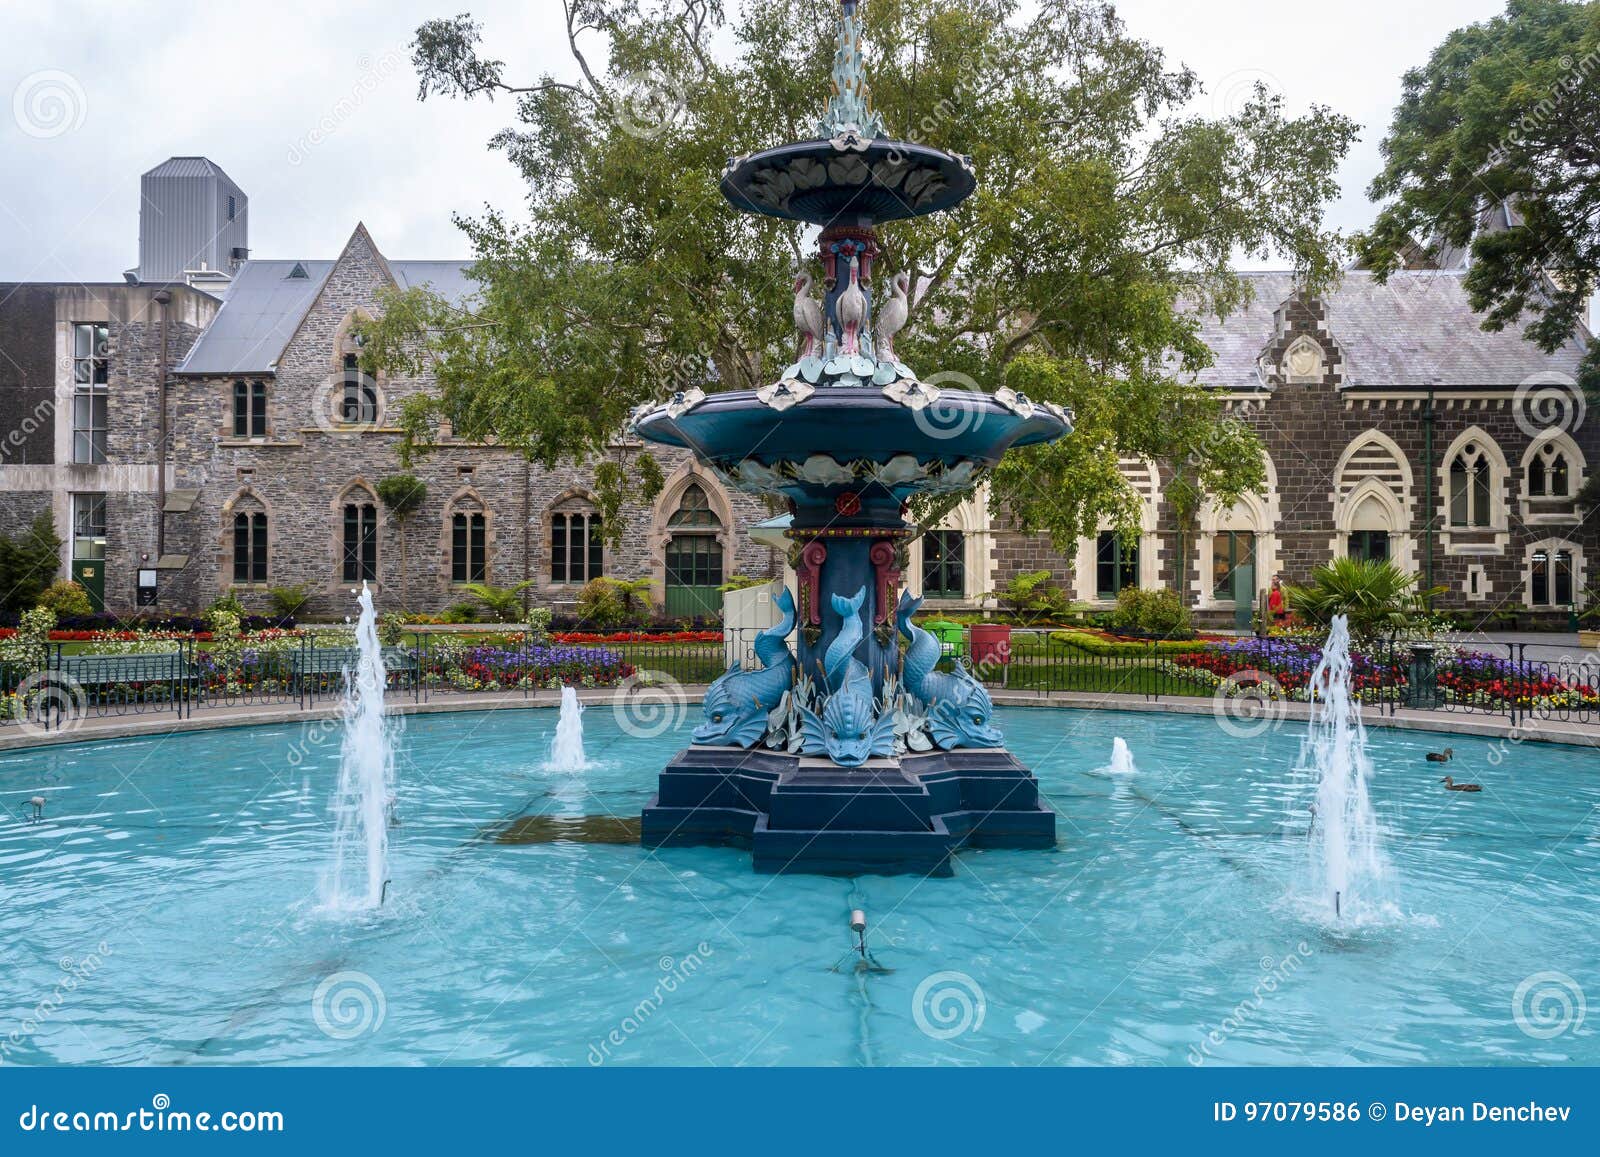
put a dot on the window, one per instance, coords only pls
(249, 409)
(577, 553)
(1230, 550)
(91, 374)
(360, 404)
(1368, 545)
(250, 548)
(468, 552)
(1471, 481)
(1116, 565)
(1550, 579)
(944, 569)
(1548, 475)
(360, 542)
(88, 526)
(232, 207)
(694, 560)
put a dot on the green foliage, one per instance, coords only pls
(28, 563)
(1107, 219)
(1588, 498)
(66, 597)
(228, 603)
(461, 613)
(538, 623)
(1159, 613)
(504, 603)
(1031, 596)
(1095, 645)
(403, 494)
(740, 582)
(391, 629)
(289, 601)
(1377, 596)
(1504, 111)
(600, 605)
(30, 646)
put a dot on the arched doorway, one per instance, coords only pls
(693, 557)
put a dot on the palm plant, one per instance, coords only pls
(504, 603)
(1374, 594)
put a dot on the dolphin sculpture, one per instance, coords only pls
(850, 730)
(738, 705)
(960, 712)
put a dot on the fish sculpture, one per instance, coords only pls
(738, 705)
(850, 729)
(960, 712)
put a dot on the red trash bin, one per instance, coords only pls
(990, 647)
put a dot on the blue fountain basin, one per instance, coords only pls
(850, 438)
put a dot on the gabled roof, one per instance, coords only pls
(1416, 330)
(264, 306)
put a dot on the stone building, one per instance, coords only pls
(1394, 426)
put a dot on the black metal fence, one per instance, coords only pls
(1522, 682)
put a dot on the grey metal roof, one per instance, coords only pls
(1416, 330)
(263, 306)
(187, 167)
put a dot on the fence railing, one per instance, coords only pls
(1518, 681)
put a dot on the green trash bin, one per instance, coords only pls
(952, 638)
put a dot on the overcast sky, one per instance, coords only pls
(310, 106)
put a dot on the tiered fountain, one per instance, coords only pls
(848, 758)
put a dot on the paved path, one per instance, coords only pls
(14, 736)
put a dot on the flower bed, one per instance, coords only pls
(504, 668)
(637, 637)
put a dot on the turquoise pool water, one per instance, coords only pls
(164, 912)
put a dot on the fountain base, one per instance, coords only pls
(908, 814)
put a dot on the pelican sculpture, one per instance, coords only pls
(807, 318)
(851, 310)
(892, 318)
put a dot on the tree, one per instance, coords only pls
(1105, 225)
(1504, 114)
(404, 495)
(1376, 595)
(28, 563)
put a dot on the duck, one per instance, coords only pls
(1452, 785)
(1444, 756)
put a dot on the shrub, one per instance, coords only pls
(27, 564)
(1159, 612)
(600, 605)
(1031, 595)
(503, 603)
(462, 613)
(1094, 645)
(1376, 596)
(289, 601)
(66, 597)
(229, 603)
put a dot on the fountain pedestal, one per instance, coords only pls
(905, 814)
(846, 437)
